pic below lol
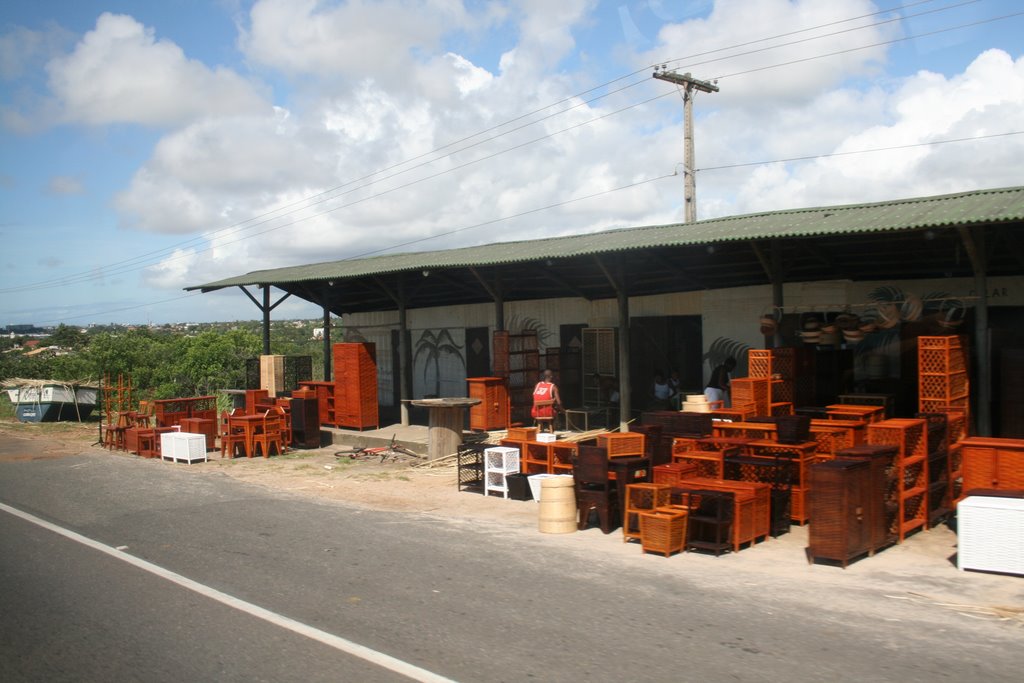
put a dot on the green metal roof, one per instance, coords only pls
(978, 207)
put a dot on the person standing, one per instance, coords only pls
(545, 401)
(718, 386)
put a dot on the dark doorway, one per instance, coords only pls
(663, 344)
(478, 352)
(570, 375)
(1007, 325)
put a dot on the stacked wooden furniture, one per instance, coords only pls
(910, 438)
(324, 394)
(755, 391)
(942, 371)
(517, 361)
(751, 515)
(674, 425)
(639, 498)
(355, 385)
(170, 412)
(493, 410)
(778, 366)
(351, 399)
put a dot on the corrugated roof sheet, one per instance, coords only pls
(965, 208)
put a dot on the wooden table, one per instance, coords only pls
(445, 417)
(249, 426)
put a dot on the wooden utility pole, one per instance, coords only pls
(689, 84)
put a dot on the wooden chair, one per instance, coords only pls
(286, 424)
(594, 489)
(232, 441)
(270, 436)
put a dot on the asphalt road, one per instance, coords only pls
(466, 601)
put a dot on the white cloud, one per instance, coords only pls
(120, 73)
(986, 99)
(351, 40)
(220, 171)
(740, 27)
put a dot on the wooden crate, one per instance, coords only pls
(640, 497)
(672, 473)
(628, 444)
(663, 531)
(752, 390)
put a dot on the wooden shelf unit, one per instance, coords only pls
(909, 435)
(517, 360)
(942, 370)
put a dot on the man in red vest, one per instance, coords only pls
(545, 400)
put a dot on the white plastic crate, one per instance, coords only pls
(183, 446)
(499, 462)
(990, 534)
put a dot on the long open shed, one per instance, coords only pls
(975, 234)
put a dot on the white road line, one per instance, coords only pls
(347, 646)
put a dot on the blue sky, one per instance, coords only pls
(146, 147)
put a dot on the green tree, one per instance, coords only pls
(68, 337)
(211, 361)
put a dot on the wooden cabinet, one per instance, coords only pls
(992, 463)
(355, 385)
(492, 411)
(839, 501)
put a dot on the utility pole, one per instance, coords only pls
(689, 84)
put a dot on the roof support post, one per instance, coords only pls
(265, 308)
(618, 283)
(328, 376)
(404, 390)
(777, 292)
(974, 244)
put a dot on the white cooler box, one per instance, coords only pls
(175, 446)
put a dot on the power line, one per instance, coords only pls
(321, 196)
(137, 263)
(861, 151)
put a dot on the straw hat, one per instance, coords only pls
(847, 321)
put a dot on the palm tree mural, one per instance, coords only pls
(433, 345)
(723, 348)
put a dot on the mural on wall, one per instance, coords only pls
(437, 353)
(517, 324)
(723, 348)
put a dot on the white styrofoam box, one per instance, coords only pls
(535, 482)
(546, 437)
(990, 534)
(176, 446)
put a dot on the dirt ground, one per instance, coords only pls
(922, 569)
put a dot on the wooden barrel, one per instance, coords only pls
(557, 506)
